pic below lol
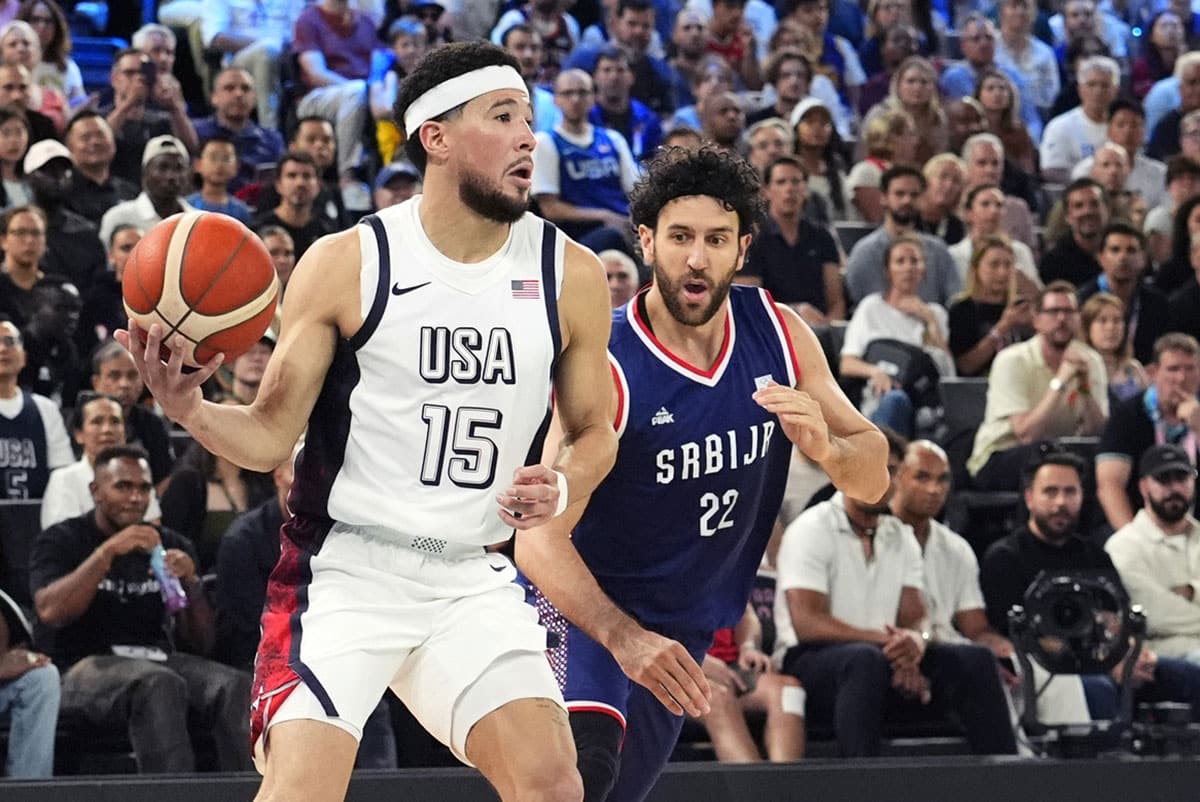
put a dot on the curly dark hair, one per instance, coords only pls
(679, 172)
(438, 66)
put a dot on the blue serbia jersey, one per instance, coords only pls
(676, 531)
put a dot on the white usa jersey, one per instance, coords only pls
(445, 390)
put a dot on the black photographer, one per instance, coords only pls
(1050, 541)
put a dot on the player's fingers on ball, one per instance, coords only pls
(175, 362)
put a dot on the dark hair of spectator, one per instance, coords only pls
(1176, 341)
(897, 443)
(7, 217)
(86, 114)
(637, 6)
(218, 137)
(1125, 229)
(921, 16)
(679, 172)
(1126, 104)
(791, 161)
(976, 191)
(272, 231)
(298, 156)
(782, 56)
(901, 171)
(612, 53)
(1050, 454)
(518, 27)
(123, 451)
(1082, 46)
(117, 229)
(1180, 166)
(81, 402)
(439, 66)
(1181, 239)
(310, 118)
(1058, 287)
(56, 50)
(15, 113)
(127, 51)
(1081, 184)
(1154, 60)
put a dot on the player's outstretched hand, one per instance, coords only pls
(801, 418)
(666, 669)
(178, 393)
(532, 498)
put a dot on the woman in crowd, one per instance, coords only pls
(882, 16)
(899, 43)
(14, 141)
(19, 45)
(817, 149)
(995, 92)
(992, 313)
(1103, 319)
(898, 313)
(1159, 51)
(984, 212)
(56, 69)
(1175, 272)
(944, 174)
(914, 90)
(205, 493)
(890, 138)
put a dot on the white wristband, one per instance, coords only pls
(562, 493)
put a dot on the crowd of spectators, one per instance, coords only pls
(1007, 190)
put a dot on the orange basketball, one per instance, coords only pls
(206, 276)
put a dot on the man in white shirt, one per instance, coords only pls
(251, 33)
(1127, 128)
(165, 171)
(1051, 385)
(1074, 135)
(955, 610)
(1158, 553)
(847, 610)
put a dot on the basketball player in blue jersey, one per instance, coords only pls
(713, 386)
(419, 349)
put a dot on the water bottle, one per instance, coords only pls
(173, 595)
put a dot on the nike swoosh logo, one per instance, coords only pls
(498, 568)
(398, 290)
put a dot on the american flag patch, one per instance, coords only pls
(526, 288)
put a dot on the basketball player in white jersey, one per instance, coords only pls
(419, 349)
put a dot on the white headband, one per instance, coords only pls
(458, 90)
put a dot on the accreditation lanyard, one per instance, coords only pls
(1179, 434)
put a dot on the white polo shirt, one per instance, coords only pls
(820, 552)
(951, 582)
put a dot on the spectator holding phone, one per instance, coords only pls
(743, 680)
(134, 123)
(992, 313)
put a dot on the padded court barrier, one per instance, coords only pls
(927, 780)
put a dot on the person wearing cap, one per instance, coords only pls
(812, 123)
(396, 183)
(1050, 540)
(1157, 554)
(73, 247)
(165, 175)
(1165, 412)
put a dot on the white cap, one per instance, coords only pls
(805, 106)
(43, 151)
(162, 145)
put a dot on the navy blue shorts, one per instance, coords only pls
(593, 682)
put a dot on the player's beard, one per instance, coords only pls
(672, 292)
(487, 200)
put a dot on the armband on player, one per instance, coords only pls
(562, 493)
